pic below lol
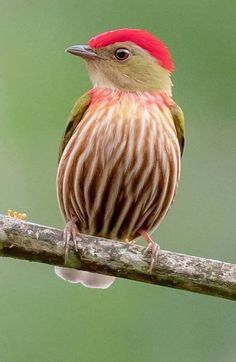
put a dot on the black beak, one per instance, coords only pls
(83, 51)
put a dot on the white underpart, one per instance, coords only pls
(87, 279)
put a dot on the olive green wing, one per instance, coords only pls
(178, 118)
(75, 117)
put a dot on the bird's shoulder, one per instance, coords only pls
(178, 118)
(74, 119)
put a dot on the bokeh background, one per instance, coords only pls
(45, 319)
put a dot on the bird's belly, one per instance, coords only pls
(117, 177)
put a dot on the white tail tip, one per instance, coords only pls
(87, 279)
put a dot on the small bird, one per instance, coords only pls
(120, 157)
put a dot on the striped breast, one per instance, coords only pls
(120, 170)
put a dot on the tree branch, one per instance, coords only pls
(28, 241)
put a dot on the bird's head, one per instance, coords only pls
(128, 59)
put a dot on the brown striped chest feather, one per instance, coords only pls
(120, 169)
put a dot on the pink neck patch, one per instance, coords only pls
(141, 38)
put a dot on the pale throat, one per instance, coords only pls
(99, 80)
(162, 83)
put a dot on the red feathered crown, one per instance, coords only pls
(141, 38)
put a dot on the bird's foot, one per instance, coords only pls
(17, 215)
(70, 234)
(152, 248)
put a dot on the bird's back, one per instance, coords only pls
(120, 169)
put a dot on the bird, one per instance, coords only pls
(120, 156)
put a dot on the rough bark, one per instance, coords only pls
(28, 241)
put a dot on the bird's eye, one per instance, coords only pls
(121, 54)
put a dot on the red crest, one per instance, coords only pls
(139, 37)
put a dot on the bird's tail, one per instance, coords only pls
(87, 279)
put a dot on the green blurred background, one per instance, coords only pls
(46, 319)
